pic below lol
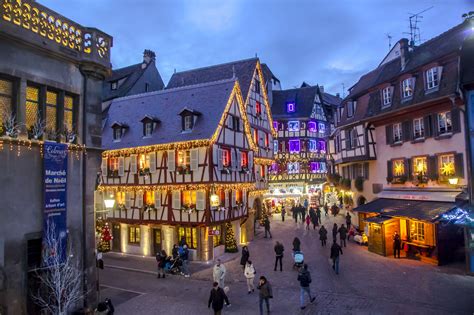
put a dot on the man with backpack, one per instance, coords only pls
(304, 277)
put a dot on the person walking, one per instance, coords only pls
(296, 245)
(343, 234)
(266, 223)
(304, 277)
(283, 212)
(185, 260)
(249, 273)
(294, 211)
(279, 249)
(175, 251)
(334, 231)
(326, 209)
(348, 220)
(308, 221)
(161, 260)
(218, 273)
(335, 251)
(217, 299)
(318, 215)
(397, 242)
(314, 218)
(245, 256)
(265, 294)
(323, 235)
(305, 204)
(110, 306)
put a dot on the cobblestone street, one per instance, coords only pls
(367, 283)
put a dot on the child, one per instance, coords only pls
(308, 221)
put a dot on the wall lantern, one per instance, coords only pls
(109, 202)
(453, 180)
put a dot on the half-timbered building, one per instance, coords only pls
(303, 119)
(401, 132)
(179, 163)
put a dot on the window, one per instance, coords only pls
(353, 138)
(445, 124)
(117, 133)
(293, 125)
(351, 106)
(417, 231)
(244, 159)
(387, 96)
(420, 166)
(120, 197)
(113, 85)
(134, 235)
(184, 158)
(275, 125)
(189, 234)
(267, 141)
(149, 198)
(322, 128)
(6, 98)
(432, 78)
(313, 147)
(446, 165)
(262, 171)
(68, 112)
(418, 128)
(255, 136)
(274, 168)
(113, 165)
(398, 168)
(407, 87)
(312, 126)
(397, 133)
(188, 122)
(293, 167)
(294, 146)
(275, 146)
(147, 129)
(258, 108)
(51, 111)
(218, 238)
(226, 158)
(315, 167)
(147, 87)
(290, 107)
(322, 146)
(144, 162)
(189, 198)
(32, 105)
(257, 86)
(234, 123)
(337, 143)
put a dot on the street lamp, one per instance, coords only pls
(109, 202)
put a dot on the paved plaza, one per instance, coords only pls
(367, 283)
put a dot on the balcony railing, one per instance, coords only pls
(30, 21)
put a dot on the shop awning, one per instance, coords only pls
(378, 219)
(380, 204)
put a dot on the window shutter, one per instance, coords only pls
(459, 165)
(200, 200)
(138, 199)
(434, 125)
(121, 162)
(366, 170)
(389, 169)
(427, 126)
(233, 198)
(219, 159)
(194, 159)
(226, 204)
(233, 159)
(440, 73)
(103, 166)
(392, 88)
(238, 160)
(455, 120)
(413, 82)
(407, 132)
(133, 164)
(176, 203)
(152, 157)
(250, 157)
(171, 161)
(408, 169)
(128, 200)
(389, 134)
(157, 198)
(215, 154)
(433, 167)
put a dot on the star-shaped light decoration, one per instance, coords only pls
(421, 168)
(399, 168)
(447, 169)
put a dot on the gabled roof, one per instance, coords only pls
(150, 118)
(189, 110)
(119, 124)
(209, 99)
(243, 70)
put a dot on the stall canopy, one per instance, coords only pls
(378, 219)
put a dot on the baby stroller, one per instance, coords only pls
(173, 266)
(299, 260)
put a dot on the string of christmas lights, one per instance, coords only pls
(177, 187)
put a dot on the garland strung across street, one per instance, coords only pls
(178, 187)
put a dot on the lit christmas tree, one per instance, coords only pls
(230, 243)
(105, 238)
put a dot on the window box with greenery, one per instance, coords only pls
(245, 170)
(144, 171)
(190, 208)
(184, 169)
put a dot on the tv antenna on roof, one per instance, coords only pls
(415, 35)
(389, 37)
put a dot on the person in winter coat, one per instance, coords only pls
(308, 221)
(185, 258)
(218, 273)
(323, 235)
(326, 209)
(279, 249)
(335, 250)
(101, 309)
(318, 215)
(160, 260)
(296, 245)
(305, 204)
(397, 242)
(348, 220)
(314, 218)
(110, 306)
(175, 251)
(249, 273)
(265, 294)
(334, 231)
(266, 223)
(343, 234)
(283, 213)
(304, 277)
(294, 211)
(245, 256)
(217, 299)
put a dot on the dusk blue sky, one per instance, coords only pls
(325, 42)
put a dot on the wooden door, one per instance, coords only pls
(157, 241)
(116, 238)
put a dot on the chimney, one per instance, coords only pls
(338, 95)
(404, 50)
(321, 88)
(148, 56)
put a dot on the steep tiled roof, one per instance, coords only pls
(243, 70)
(267, 73)
(303, 97)
(332, 100)
(209, 99)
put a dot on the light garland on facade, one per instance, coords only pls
(265, 98)
(177, 187)
(263, 161)
(258, 192)
(11, 143)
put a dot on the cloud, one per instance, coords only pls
(211, 15)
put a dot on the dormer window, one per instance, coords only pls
(149, 124)
(408, 86)
(189, 118)
(118, 131)
(114, 85)
(351, 106)
(432, 78)
(290, 107)
(117, 134)
(312, 126)
(387, 96)
(188, 122)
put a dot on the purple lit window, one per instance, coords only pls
(315, 167)
(290, 107)
(322, 146)
(295, 146)
(322, 128)
(275, 125)
(274, 168)
(294, 125)
(312, 126)
(312, 146)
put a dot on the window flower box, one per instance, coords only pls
(112, 173)
(184, 169)
(245, 170)
(144, 171)
(226, 170)
(188, 208)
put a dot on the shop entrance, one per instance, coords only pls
(116, 237)
(157, 247)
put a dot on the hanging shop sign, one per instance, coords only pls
(55, 191)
